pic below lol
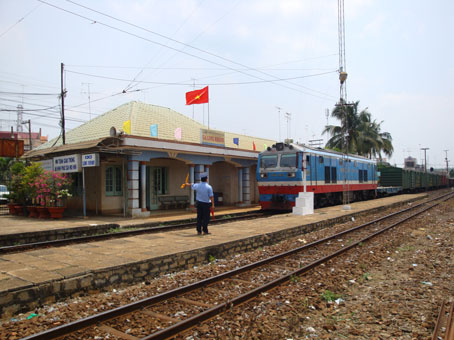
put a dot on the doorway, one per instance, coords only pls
(156, 184)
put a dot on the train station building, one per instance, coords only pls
(133, 160)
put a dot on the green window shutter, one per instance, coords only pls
(114, 184)
(109, 181)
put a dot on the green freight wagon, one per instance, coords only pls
(390, 176)
(406, 179)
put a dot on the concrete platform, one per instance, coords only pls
(15, 230)
(19, 224)
(42, 276)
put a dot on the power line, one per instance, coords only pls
(20, 20)
(29, 93)
(173, 40)
(194, 68)
(21, 102)
(199, 84)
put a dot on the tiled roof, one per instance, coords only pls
(142, 116)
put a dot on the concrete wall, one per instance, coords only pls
(177, 171)
(224, 178)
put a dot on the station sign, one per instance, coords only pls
(69, 163)
(212, 137)
(90, 160)
(47, 164)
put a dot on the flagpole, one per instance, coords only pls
(193, 88)
(208, 115)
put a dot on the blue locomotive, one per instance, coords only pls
(328, 175)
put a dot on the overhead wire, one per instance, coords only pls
(172, 48)
(19, 21)
(129, 86)
(200, 34)
(210, 84)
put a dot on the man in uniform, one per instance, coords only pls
(204, 202)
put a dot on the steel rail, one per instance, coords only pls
(121, 234)
(218, 309)
(174, 329)
(445, 318)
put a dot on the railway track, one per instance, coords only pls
(127, 233)
(150, 318)
(444, 328)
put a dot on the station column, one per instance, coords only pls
(240, 185)
(143, 185)
(191, 180)
(246, 186)
(133, 188)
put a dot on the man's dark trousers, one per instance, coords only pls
(203, 216)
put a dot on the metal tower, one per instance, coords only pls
(343, 98)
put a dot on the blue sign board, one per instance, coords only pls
(89, 160)
(69, 163)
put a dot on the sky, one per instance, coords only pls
(271, 65)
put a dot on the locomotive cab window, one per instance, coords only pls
(320, 159)
(269, 161)
(288, 160)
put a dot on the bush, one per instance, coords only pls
(17, 192)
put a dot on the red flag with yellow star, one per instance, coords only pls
(197, 96)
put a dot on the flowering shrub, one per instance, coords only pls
(51, 188)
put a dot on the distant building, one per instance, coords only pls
(412, 163)
(36, 138)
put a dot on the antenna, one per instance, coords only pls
(279, 121)
(89, 98)
(288, 116)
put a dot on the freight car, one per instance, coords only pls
(394, 180)
(283, 169)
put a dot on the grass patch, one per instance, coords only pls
(329, 296)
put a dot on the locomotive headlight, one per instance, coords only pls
(263, 175)
(291, 174)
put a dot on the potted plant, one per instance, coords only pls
(31, 174)
(52, 189)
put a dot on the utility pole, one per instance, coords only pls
(63, 94)
(446, 159)
(425, 161)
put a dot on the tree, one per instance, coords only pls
(5, 164)
(357, 131)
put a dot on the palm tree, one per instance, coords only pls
(357, 132)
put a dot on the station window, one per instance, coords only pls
(77, 184)
(114, 184)
(161, 186)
